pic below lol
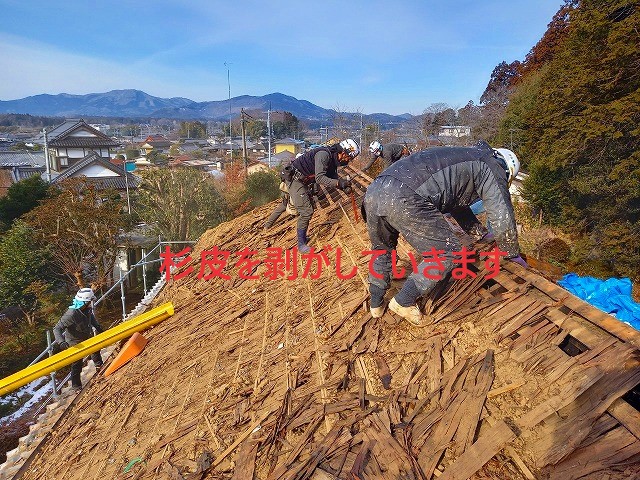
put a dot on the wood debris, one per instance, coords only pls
(296, 380)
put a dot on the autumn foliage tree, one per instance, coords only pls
(80, 224)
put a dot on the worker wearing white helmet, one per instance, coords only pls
(318, 165)
(389, 152)
(76, 325)
(411, 198)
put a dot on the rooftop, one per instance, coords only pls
(272, 378)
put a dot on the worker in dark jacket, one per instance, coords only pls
(412, 196)
(389, 152)
(76, 325)
(318, 165)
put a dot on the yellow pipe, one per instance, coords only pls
(81, 350)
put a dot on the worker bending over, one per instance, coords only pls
(412, 196)
(318, 165)
(389, 152)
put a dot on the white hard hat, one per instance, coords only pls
(375, 148)
(513, 164)
(350, 147)
(85, 295)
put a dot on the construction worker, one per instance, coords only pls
(318, 165)
(74, 326)
(389, 152)
(284, 205)
(412, 196)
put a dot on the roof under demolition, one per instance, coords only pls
(515, 379)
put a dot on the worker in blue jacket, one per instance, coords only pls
(411, 197)
(76, 325)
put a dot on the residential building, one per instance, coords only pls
(72, 141)
(455, 131)
(255, 167)
(158, 143)
(283, 158)
(101, 173)
(16, 166)
(289, 144)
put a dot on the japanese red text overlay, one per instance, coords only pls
(281, 263)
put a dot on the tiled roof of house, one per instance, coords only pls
(289, 141)
(59, 136)
(11, 158)
(102, 182)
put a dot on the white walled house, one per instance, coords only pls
(73, 140)
(101, 173)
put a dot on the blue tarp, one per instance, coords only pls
(612, 296)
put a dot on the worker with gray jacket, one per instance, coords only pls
(412, 196)
(318, 165)
(75, 326)
(389, 152)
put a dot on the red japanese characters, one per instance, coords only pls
(280, 263)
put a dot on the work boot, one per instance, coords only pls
(377, 312)
(302, 241)
(411, 314)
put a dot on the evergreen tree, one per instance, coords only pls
(580, 113)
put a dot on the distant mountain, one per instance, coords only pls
(219, 109)
(120, 103)
(135, 103)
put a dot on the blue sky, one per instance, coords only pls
(366, 56)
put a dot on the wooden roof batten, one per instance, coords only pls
(514, 378)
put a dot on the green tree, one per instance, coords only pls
(23, 262)
(579, 114)
(130, 130)
(256, 129)
(287, 126)
(132, 153)
(192, 130)
(183, 203)
(174, 150)
(157, 158)
(21, 197)
(261, 188)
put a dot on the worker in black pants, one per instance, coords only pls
(319, 165)
(412, 196)
(75, 325)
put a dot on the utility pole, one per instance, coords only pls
(126, 182)
(361, 132)
(269, 132)
(229, 84)
(244, 144)
(46, 155)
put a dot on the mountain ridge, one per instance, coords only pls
(136, 103)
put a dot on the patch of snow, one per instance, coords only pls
(36, 389)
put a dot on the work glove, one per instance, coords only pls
(520, 261)
(488, 237)
(57, 347)
(344, 184)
